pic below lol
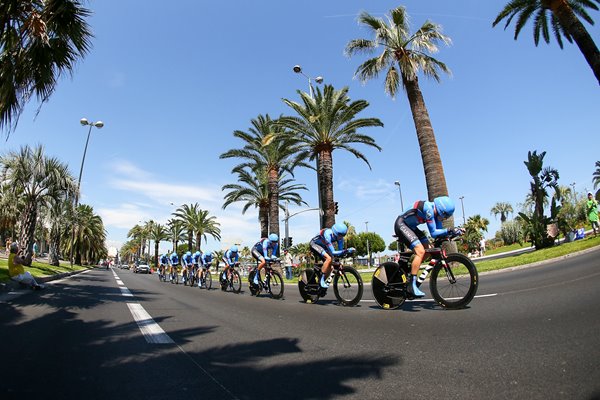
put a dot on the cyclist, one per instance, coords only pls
(173, 263)
(431, 213)
(205, 261)
(230, 257)
(186, 264)
(260, 252)
(322, 247)
(164, 262)
(196, 262)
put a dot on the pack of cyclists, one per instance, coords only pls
(329, 243)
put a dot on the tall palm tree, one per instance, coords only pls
(158, 233)
(596, 176)
(324, 123)
(404, 56)
(90, 236)
(136, 234)
(36, 179)
(563, 16)
(503, 209)
(176, 231)
(267, 146)
(198, 224)
(253, 191)
(40, 40)
(58, 217)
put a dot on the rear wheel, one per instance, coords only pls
(388, 285)
(454, 281)
(254, 290)
(276, 285)
(348, 287)
(236, 282)
(308, 281)
(207, 280)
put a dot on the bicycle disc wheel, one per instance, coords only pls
(386, 286)
(254, 290)
(236, 282)
(454, 281)
(207, 280)
(276, 284)
(348, 287)
(308, 278)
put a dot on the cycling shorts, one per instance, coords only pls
(409, 237)
(257, 254)
(318, 250)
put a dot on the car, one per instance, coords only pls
(124, 266)
(142, 269)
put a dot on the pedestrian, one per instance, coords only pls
(35, 250)
(481, 247)
(8, 243)
(17, 272)
(592, 212)
(287, 262)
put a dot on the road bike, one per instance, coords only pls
(191, 278)
(162, 276)
(233, 280)
(453, 282)
(205, 280)
(174, 275)
(347, 283)
(273, 283)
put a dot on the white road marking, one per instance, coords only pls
(432, 300)
(150, 329)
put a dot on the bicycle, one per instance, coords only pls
(191, 279)
(174, 275)
(273, 283)
(347, 284)
(205, 281)
(453, 282)
(233, 281)
(162, 276)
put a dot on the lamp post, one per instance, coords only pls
(83, 122)
(368, 250)
(463, 209)
(397, 183)
(319, 79)
(574, 193)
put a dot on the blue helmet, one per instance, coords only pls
(339, 229)
(233, 249)
(174, 254)
(188, 253)
(197, 254)
(273, 237)
(444, 206)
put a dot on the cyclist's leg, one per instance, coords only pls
(323, 254)
(261, 263)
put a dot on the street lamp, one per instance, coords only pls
(319, 79)
(368, 251)
(400, 191)
(83, 122)
(463, 209)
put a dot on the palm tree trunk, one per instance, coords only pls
(575, 28)
(156, 242)
(432, 162)
(326, 177)
(274, 201)
(263, 218)
(26, 235)
(54, 246)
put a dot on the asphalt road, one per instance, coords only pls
(530, 334)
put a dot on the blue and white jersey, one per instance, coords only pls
(423, 212)
(326, 238)
(264, 245)
(231, 257)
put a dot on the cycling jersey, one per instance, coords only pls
(164, 260)
(230, 257)
(206, 258)
(264, 245)
(174, 259)
(423, 212)
(325, 240)
(197, 259)
(186, 260)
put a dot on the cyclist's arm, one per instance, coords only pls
(265, 248)
(328, 240)
(436, 228)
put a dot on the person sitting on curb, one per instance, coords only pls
(17, 272)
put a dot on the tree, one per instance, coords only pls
(267, 146)
(176, 231)
(562, 15)
(404, 56)
(542, 180)
(596, 176)
(359, 242)
(198, 224)
(36, 179)
(474, 228)
(324, 123)
(136, 234)
(90, 236)
(158, 233)
(503, 209)
(39, 42)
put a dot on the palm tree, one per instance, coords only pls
(596, 178)
(136, 234)
(198, 224)
(58, 217)
(267, 146)
(36, 179)
(503, 209)
(323, 124)
(253, 191)
(158, 233)
(563, 15)
(176, 232)
(39, 42)
(404, 56)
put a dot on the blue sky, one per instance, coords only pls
(172, 82)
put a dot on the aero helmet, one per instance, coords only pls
(339, 229)
(444, 206)
(188, 253)
(197, 254)
(273, 237)
(233, 249)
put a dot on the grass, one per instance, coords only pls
(39, 269)
(503, 249)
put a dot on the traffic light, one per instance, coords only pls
(285, 243)
(289, 242)
(335, 205)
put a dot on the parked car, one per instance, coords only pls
(124, 266)
(142, 269)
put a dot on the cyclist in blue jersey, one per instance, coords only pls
(322, 247)
(186, 264)
(205, 261)
(230, 257)
(260, 252)
(164, 263)
(173, 263)
(431, 213)
(196, 262)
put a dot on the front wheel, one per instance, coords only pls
(276, 285)
(348, 287)
(254, 289)
(308, 285)
(454, 281)
(388, 286)
(236, 282)
(207, 280)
